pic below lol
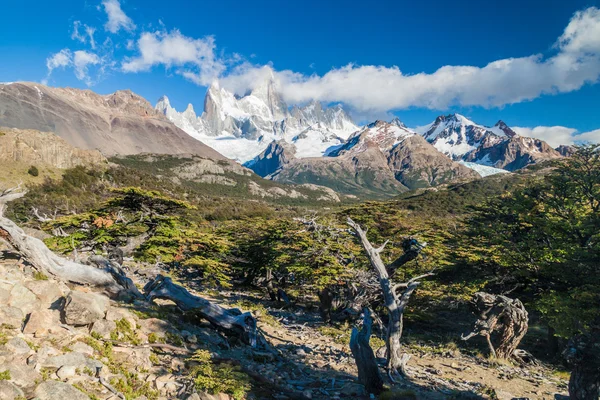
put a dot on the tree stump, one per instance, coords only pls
(502, 316)
(368, 371)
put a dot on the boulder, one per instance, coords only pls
(66, 372)
(10, 391)
(23, 376)
(103, 327)
(23, 298)
(11, 316)
(117, 314)
(53, 390)
(18, 346)
(48, 292)
(40, 321)
(72, 359)
(84, 308)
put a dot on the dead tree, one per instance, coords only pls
(507, 317)
(108, 276)
(229, 320)
(114, 282)
(368, 371)
(393, 301)
(583, 355)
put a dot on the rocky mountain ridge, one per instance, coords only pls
(381, 160)
(119, 123)
(241, 127)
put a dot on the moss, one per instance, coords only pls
(339, 335)
(39, 276)
(32, 345)
(132, 387)
(3, 338)
(154, 359)
(218, 378)
(174, 339)
(124, 332)
(5, 375)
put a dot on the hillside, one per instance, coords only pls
(222, 249)
(118, 123)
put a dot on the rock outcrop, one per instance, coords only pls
(43, 148)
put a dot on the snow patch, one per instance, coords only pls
(483, 170)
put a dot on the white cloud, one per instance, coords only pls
(195, 58)
(81, 61)
(84, 37)
(117, 19)
(557, 135)
(59, 60)
(373, 89)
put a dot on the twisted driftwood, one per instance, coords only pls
(503, 315)
(105, 275)
(228, 320)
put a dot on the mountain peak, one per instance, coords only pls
(502, 129)
(396, 121)
(164, 100)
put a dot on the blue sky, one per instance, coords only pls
(309, 47)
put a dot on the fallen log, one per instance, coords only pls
(229, 320)
(112, 281)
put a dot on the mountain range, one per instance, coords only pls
(310, 144)
(318, 144)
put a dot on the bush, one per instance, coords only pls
(33, 171)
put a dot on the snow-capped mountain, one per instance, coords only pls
(498, 146)
(456, 136)
(380, 160)
(242, 127)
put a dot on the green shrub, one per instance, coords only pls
(33, 171)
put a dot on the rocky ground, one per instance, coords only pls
(59, 342)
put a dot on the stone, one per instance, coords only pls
(140, 357)
(158, 326)
(19, 346)
(84, 308)
(48, 292)
(40, 321)
(53, 390)
(23, 376)
(83, 348)
(72, 359)
(104, 327)
(66, 372)
(23, 298)
(4, 296)
(11, 316)
(117, 314)
(9, 391)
